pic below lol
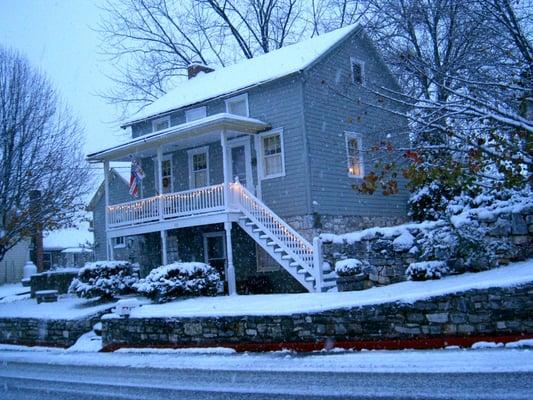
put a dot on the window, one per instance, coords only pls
(198, 167)
(195, 113)
(265, 263)
(160, 124)
(238, 105)
(358, 70)
(119, 242)
(273, 164)
(354, 153)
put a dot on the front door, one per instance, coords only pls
(215, 253)
(241, 162)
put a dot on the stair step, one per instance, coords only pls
(301, 271)
(271, 243)
(309, 278)
(264, 236)
(295, 264)
(243, 218)
(257, 230)
(286, 257)
(279, 250)
(249, 223)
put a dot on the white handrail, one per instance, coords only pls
(189, 202)
(288, 239)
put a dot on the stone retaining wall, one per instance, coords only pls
(474, 313)
(388, 254)
(43, 332)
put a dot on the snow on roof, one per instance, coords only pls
(68, 238)
(270, 66)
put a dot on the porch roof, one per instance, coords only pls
(212, 124)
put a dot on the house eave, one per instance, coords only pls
(217, 122)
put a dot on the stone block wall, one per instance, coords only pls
(455, 318)
(45, 332)
(389, 251)
(311, 225)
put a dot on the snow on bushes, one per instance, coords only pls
(179, 279)
(105, 279)
(425, 270)
(349, 267)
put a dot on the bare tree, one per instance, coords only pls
(152, 42)
(40, 150)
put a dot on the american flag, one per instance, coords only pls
(137, 175)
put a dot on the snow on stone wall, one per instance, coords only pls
(502, 233)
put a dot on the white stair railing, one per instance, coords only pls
(285, 236)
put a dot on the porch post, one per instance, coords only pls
(164, 259)
(108, 244)
(160, 179)
(232, 286)
(225, 168)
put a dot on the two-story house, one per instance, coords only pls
(245, 164)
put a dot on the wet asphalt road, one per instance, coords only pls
(25, 380)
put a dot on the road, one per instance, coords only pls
(28, 380)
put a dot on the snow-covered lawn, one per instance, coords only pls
(67, 307)
(12, 289)
(284, 304)
(428, 361)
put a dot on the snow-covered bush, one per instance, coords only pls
(349, 267)
(179, 279)
(105, 279)
(422, 271)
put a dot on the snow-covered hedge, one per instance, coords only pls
(425, 270)
(179, 279)
(349, 267)
(105, 279)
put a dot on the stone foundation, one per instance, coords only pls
(454, 318)
(312, 225)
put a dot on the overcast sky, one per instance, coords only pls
(56, 35)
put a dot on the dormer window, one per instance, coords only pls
(238, 105)
(160, 124)
(195, 113)
(358, 71)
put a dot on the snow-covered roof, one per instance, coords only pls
(265, 68)
(68, 238)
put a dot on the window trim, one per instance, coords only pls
(359, 137)
(119, 245)
(353, 61)
(261, 162)
(167, 157)
(202, 109)
(159, 120)
(190, 154)
(235, 99)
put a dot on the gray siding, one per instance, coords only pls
(12, 265)
(328, 114)
(118, 193)
(280, 104)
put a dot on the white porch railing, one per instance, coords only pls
(288, 239)
(170, 205)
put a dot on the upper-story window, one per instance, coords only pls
(273, 162)
(195, 113)
(358, 71)
(198, 167)
(160, 123)
(354, 152)
(238, 105)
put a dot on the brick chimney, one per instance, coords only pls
(194, 69)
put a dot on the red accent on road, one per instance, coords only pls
(389, 344)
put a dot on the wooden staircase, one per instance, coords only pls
(296, 255)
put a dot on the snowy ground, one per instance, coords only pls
(284, 304)
(11, 291)
(451, 360)
(66, 307)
